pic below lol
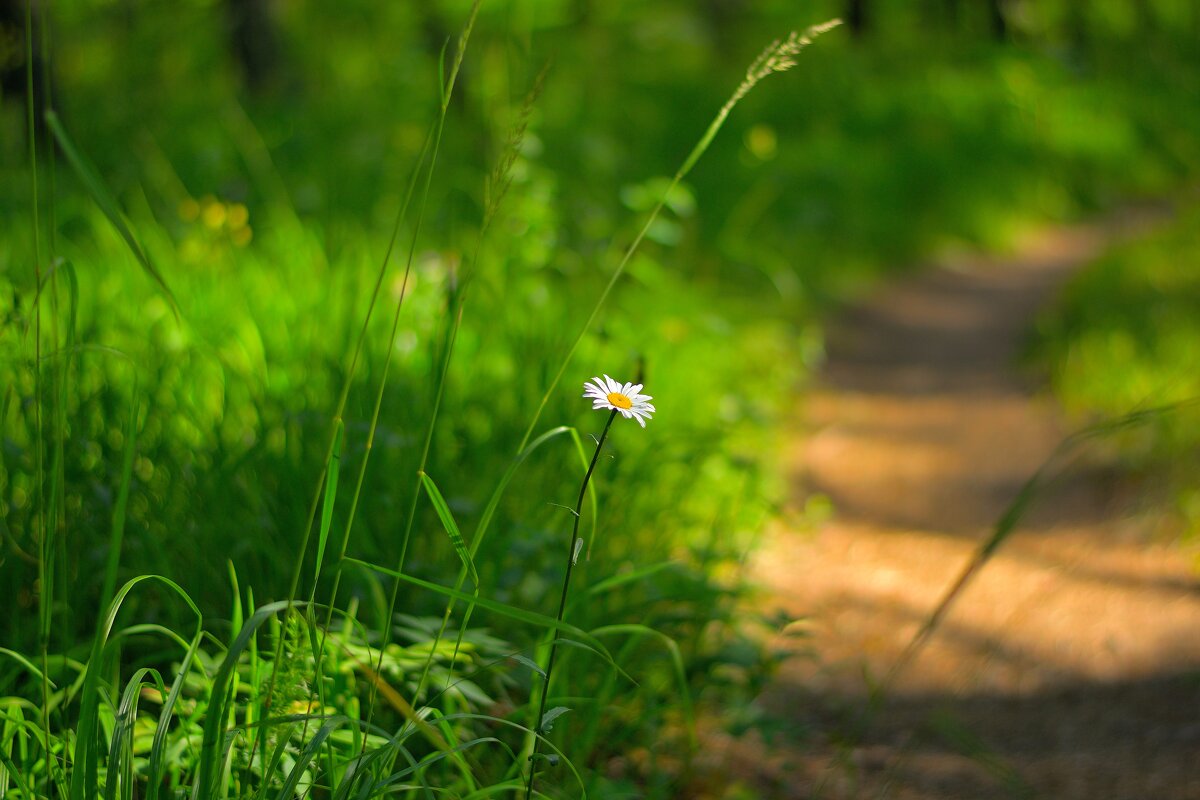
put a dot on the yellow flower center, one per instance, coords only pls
(619, 400)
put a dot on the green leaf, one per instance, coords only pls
(100, 194)
(26, 663)
(549, 717)
(117, 531)
(450, 526)
(84, 778)
(489, 511)
(307, 755)
(15, 773)
(685, 695)
(623, 578)
(512, 612)
(529, 662)
(211, 752)
(121, 742)
(585, 459)
(331, 485)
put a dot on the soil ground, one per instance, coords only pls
(1069, 666)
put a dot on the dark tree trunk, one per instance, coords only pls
(1078, 29)
(252, 40)
(856, 16)
(15, 62)
(998, 22)
(721, 17)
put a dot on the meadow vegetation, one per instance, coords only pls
(293, 347)
(1121, 340)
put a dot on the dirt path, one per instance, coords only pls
(1070, 668)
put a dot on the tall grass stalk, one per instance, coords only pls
(320, 490)
(425, 166)
(778, 56)
(429, 151)
(352, 371)
(45, 595)
(57, 506)
(498, 186)
(495, 189)
(447, 91)
(1006, 525)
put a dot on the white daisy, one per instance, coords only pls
(614, 396)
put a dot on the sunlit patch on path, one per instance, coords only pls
(1070, 667)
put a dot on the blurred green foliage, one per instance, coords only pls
(268, 209)
(1126, 337)
(264, 187)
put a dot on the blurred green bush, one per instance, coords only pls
(1125, 337)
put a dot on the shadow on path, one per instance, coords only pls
(1070, 666)
(1131, 739)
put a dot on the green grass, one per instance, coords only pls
(212, 472)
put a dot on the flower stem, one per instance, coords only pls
(562, 603)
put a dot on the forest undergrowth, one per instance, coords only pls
(299, 492)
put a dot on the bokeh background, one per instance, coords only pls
(260, 150)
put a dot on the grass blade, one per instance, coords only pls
(504, 609)
(518, 726)
(309, 754)
(331, 484)
(119, 769)
(451, 527)
(485, 519)
(529, 662)
(84, 778)
(1007, 524)
(26, 663)
(214, 722)
(685, 695)
(108, 206)
(15, 774)
(481, 529)
(619, 580)
(155, 766)
(117, 533)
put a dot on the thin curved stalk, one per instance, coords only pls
(572, 552)
(779, 56)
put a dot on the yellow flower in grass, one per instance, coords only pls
(613, 396)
